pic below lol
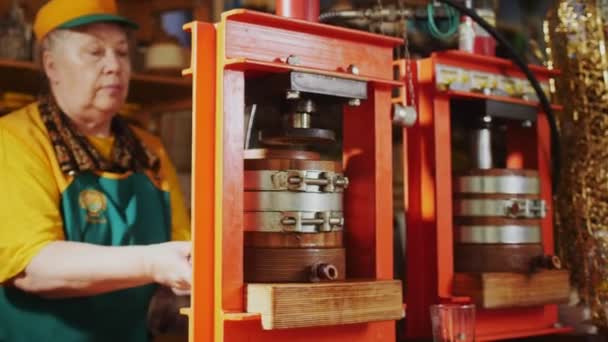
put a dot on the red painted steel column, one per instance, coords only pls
(299, 9)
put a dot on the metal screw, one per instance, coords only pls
(292, 94)
(354, 102)
(526, 124)
(487, 119)
(293, 60)
(353, 69)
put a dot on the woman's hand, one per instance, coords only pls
(169, 265)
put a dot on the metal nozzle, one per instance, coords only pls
(323, 271)
(548, 262)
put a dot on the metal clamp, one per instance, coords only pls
(324, 221)
(525, 208)
(299, 180)
(293, 221)
(511, 208)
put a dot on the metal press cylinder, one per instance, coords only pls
(293, 220)
(497, 221)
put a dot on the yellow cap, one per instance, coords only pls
(69, 14)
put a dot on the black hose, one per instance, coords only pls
(555, 144)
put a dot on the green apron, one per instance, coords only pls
(112, 210)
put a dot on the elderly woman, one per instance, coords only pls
(88, 204)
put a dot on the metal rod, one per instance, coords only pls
(481, 146)
(298, 9)
(250, 125)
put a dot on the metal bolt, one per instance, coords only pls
(292, 95)
(404, 116)
(526, 124)
(353, 69)
(293, 60)
(487, 119)
(354, 102)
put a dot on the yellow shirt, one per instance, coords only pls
(31, 184)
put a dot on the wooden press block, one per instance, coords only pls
(299, 305)
(505, 290)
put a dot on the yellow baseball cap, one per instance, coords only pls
(69, 14)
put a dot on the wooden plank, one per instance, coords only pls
(506, 290)
(299, 305)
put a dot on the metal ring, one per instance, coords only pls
(273, 221)
(497, 185)
(291, 201)
(497, 234)
(513, 208)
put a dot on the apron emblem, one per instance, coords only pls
(94, 202)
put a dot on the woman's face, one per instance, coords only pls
(89, 71)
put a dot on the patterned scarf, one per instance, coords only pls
(76, 154)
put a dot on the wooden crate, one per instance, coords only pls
(505, 290)
(304, 305)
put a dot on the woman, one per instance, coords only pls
(88, 203)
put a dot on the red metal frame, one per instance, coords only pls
(429, 212)
(250, 44)
(201, 314)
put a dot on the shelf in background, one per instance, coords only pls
(147, 90)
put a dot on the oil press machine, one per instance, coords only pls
(479, 220)
(292, 204)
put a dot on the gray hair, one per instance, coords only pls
(50, 41)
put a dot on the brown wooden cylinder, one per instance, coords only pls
(282, 265)
(496, 257)
(293, 240)
(292, 164)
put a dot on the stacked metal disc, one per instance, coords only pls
(497, 221)
(293, 218)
